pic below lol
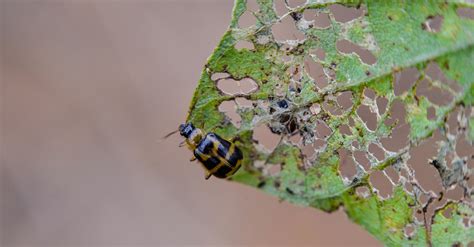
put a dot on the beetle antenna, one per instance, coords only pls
(182, 144)
(170, 134)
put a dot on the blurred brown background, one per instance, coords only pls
(88, 89)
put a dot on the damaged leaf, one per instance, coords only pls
(359, 95)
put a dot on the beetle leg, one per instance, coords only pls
(208, 175)
(192, 159)
(236, 138)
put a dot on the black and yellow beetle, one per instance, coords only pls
(219, 157)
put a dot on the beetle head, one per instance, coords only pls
(186, 129)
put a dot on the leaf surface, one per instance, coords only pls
(322, 101)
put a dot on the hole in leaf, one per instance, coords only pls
(434, 94)
(308, 151)
(232, 87)
(345, 14)
(399, 137)
(466, 13)
(229, 109)
(369, 118)
(347, 166)
(345, 130)
(456, 194)
(296, 140)
(420, 157)
(243, 44)
(405, 79)
(316, 71)
(322, 130)
(243, 102)
(345, 100)
(380, 182)
(464, 148)
(348, 47)
(319, 143)
(228, 86)
(361, 158)
(397, 110)
(382, 103)
(432, 23)
(369, 93)
(262, 135)
(434, 72)
(286, 30)
(252, 6)
(219, 76)
(392, 174)
(280, 7)
(408, 186)
(321, 20)
(247, 19)
(248, 85)
(377, 151)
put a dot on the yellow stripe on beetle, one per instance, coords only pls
(218, 156)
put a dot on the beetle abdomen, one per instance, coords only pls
(218, 156)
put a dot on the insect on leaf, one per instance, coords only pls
(369, 110)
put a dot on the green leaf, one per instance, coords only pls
(400, 35)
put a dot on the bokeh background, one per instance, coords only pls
(88, 88)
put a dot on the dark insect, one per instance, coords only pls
(285, 122)
(219, 157)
